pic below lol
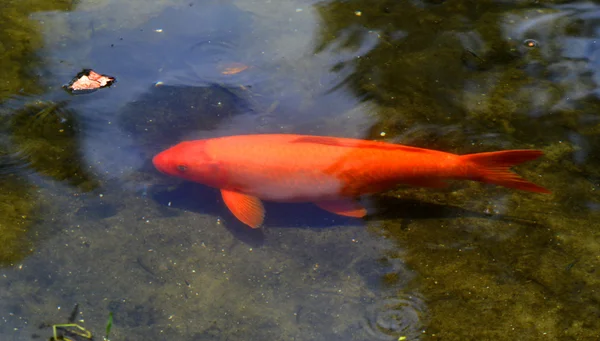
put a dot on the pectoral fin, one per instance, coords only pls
(344, 207)
(248, 209)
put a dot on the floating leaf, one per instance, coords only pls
(88, 81)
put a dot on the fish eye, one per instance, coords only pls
(182, 168)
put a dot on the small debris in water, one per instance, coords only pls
(530, 43)
(358, 13)
(88, 81)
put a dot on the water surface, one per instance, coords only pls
(87, 221)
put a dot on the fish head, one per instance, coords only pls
(189, 160)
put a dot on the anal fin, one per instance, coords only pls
(344, 207)
(248, 209)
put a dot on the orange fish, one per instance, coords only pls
(328, 171)
(233, 68)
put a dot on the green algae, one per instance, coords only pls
(42, 137)
(20, 39)
(46, 135)
(17, 207)
(484, 278)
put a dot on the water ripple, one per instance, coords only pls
(398, 318)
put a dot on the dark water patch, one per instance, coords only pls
(166, 115)
(46, 134)
(407, 210)
(11, 164)
(98, 211)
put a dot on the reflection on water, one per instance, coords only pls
(86, 219)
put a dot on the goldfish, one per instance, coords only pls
(233, 68)
(331, 172)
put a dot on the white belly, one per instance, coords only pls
(300, 186)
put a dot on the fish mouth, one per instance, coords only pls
(160, 162)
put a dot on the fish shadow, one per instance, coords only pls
(408, 210)
(188, 196)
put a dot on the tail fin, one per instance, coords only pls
(494, 167)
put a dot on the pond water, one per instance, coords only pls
(89, 228)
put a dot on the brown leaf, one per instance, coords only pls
(87, 81)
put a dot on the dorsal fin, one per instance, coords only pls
(355, 143)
